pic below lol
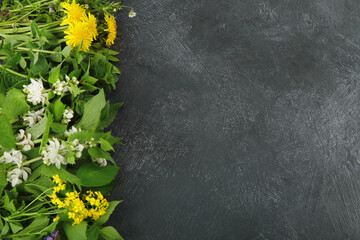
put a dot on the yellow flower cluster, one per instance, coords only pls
(98, 203)
(83, 27)
(111, 23)
(94, 207)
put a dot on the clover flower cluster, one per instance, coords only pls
(91, 205)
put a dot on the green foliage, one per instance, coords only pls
(92, 175)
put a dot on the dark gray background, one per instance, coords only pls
(241, 120)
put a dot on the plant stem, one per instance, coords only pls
(31, 161)
(13, 72)
(36, 50)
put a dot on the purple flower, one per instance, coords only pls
(54, 234)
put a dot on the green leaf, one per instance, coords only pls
(110, 116)
(103, 219)
(58, 109)
(59, 128)
(77, 232)
(15, 227)
(13, 60)
(54, 76)
(35, 31)
(110, 233)
(66, 51)
(22, 63)
(96, 152)
(39, 223)
(105, 145)
(51, 170)
(3, 181)
(93, 232)
(7, 139)
(46, 131)
(92, 111)
(40, 67)
(82, 136)
(38, 129)
(92, 175)
(14, 104)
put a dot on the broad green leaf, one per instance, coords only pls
(66, 51)
(77, 232)
(110, 233)
(22, 63)
(3, 181)
(15, 227)
(59, 128)
(105, 145)
(7, 139)
(92, 175)
(13, 60)
(92, 111)
(58, 109)
(82, 136)
(103, 219)
(38, 129)
(54, 76)
(14, 104)
(110, 116)
(39, 223)
(93, 232)
(46, 131)
(40, 68)
(51, 170)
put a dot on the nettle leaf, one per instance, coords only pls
(13, 60)
(51, 170)
(58, 109)
(109, 116)
(92, 175)
(55, 73)
(14, 104)
(7, 139)
(92, 111)
(110, 233)
(82, 136)
(105, 145)
(77, 232)
(38, 129)
(39, 67)
(46, 131)
(96, 152)
(66, 51)
(59, 128)
(22, 63)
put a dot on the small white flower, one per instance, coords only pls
(32, 117)
(61, 87)
(54, 153)
(34, 92)
(68, 115)
(101, 161)
(15, 175)
(14, 156)
(73, 80)
(132, 14)
(25, 140)
(77, 148)
(91, 143)
(72, 131)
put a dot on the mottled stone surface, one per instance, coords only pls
(241, 120)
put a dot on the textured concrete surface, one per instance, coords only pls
(241, 120)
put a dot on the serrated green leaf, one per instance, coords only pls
(7, 139)
(66, 51)
(38, 129)
(92, 111)
(58, 109)
(54, 76)
(14, 104)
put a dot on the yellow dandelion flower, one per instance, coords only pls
(74, 12)
(111, 23)
(92, 26)
(79, 32)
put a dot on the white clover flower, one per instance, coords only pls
(25, 140)
(32, 117)
(72, 131)
(34, 92)
(67, 115)
(15, 175)
(54, 153)
(77, 148)
(132, 14)
(61, 87)
(14, 156)
(101, 161)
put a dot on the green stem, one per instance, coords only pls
(31, 161)
(13, 72)
(36, 50)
